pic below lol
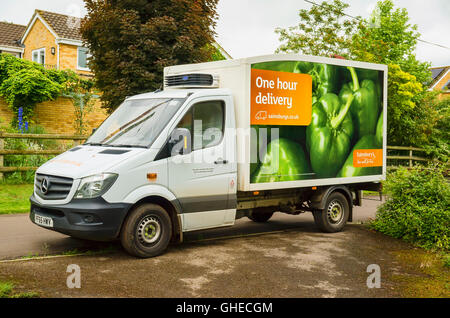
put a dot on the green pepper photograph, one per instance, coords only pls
(347, 115)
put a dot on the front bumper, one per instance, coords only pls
(91, 219)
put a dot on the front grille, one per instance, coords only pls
(58, 188)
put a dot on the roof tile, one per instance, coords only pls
(10, 34)
(65, 26)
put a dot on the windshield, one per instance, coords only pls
(136, 123)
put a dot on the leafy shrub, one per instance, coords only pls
(447, 260)
(24, 84)
(27, 88)
(439, 136)
(418, 207)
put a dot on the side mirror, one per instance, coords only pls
(180, 142)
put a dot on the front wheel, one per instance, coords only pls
(146, 231)
(335, 215)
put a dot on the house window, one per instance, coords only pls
(83, 56)
(39, 56)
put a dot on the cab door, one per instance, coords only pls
(204, 179)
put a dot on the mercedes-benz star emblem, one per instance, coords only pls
(45, 185)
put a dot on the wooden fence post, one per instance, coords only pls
(410, 158)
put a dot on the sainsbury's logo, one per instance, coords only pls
(262, 115)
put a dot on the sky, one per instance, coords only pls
(247, 27)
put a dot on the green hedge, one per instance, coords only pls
(418, 207)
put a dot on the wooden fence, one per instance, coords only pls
(410, 158)
(6, 152)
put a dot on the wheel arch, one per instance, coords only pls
(172, 209)
(319, 199)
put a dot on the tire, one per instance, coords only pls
(335, 215)
(260, 215)
(147, 231)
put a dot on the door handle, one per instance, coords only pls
(221, 162)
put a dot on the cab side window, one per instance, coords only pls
(206, 123)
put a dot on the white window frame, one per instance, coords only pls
(39, 55)
(87, 57)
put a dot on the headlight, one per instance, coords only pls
(95, 186)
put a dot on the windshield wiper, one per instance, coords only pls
(95, 144)
(114, 146)
(127, 146)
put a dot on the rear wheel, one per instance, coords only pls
(261, 215)
(146, 231)
(335, 215)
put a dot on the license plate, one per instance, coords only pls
(43, 220)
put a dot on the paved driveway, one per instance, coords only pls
(20, 237)
(287, 257)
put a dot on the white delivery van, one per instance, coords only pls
(223, 140)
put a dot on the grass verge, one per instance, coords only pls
(427, 276)
(7, 291)
(15, 198)
(74, 252)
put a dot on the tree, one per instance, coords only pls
(432, 124)
(323, 30)
(402, 91)
(131, 41)
(387, 37)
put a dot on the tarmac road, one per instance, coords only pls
(286, 257)
(20, 237)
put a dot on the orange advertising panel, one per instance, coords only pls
(280, 98)
(368, 158)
